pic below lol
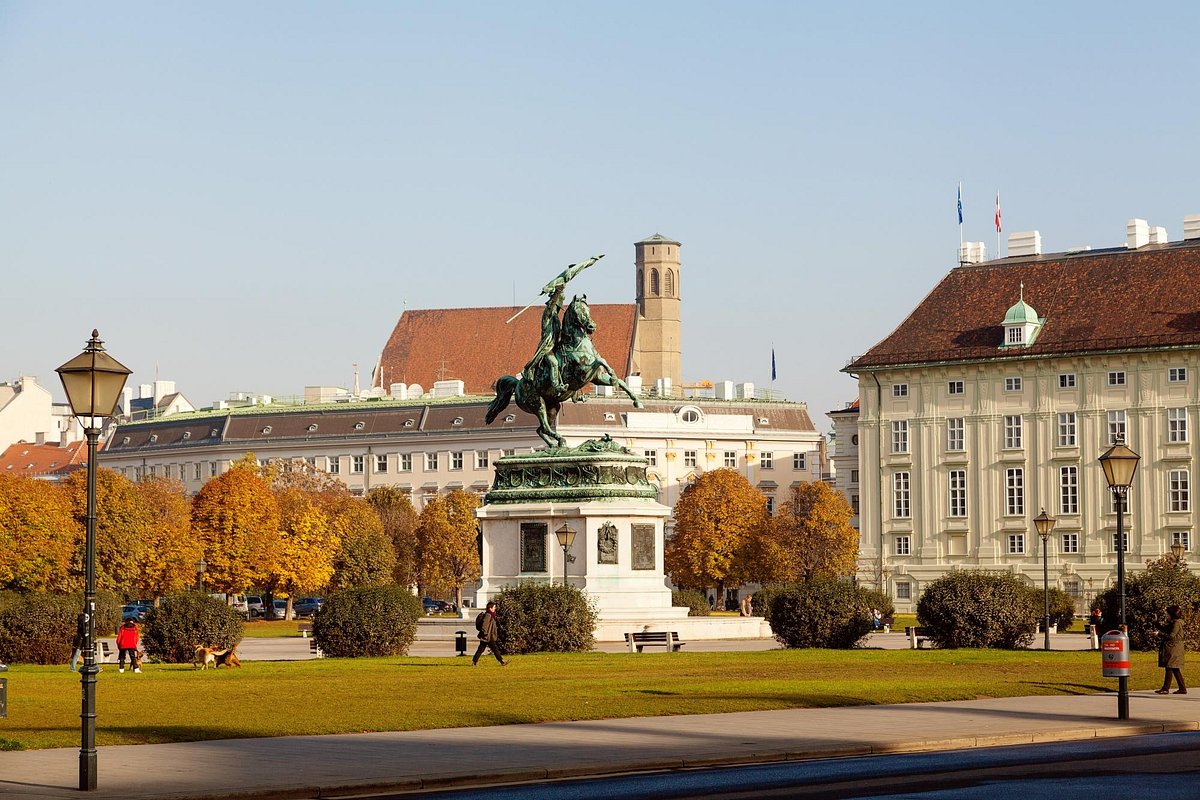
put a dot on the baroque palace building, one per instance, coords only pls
(994, 398)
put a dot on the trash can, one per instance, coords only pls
(1114, 652)
(460, 642)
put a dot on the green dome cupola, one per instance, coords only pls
(1021, 324)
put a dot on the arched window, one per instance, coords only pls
(654, 282)
(641, 278)
(670, 284)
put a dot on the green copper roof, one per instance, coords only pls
(1020, 314)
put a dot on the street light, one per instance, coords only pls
(566, 538)
(1044, 524)
(1119, 464)
(1178, 550)
(201, 565)
(93, 381)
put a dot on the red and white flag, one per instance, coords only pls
(998, 228)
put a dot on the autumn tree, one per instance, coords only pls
(122, 524)
(716, 518)
(38, 535)
(400, 520)
(447, 538)
(168, 561)
(365, 557)
(307, 545)
(236, 517)
(809, 537)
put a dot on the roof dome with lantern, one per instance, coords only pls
(1021, 324)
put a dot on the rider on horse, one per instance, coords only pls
(552, 327)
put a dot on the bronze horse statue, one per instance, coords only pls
(565, 364)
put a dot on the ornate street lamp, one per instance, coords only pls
(93, 381)
(566, 538)
(1119, 464)
(1045, 524)
(201, 565)
(1178, 550)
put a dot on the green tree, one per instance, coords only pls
(38, 533)
(448, 536)
(236, 517)
(365, 557)
(1165, 582)
(809, 537)
(400, 521)
(716, 518)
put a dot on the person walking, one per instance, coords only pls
(489, 634)
(1171, 649)
(77, 640)
(127, 643)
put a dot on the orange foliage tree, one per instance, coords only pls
(38, 533)
(809, 537)
(236, 517)
(121, 528)
(716, 518)
(365, 557)
(400, 521)
(448, 537)
(168, 562)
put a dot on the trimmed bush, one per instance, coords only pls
(1165, 582)
(820, 613)
(38, 627)
(974, 608)
(375, 621)
(760, 604)
(879, 600)
(696, 602)
(1062, 607)
(543, 618)
(173, 629)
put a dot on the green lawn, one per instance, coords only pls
(171, 703)
(271, 629)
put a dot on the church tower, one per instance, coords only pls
(657, 353)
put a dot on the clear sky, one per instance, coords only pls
(244, 195)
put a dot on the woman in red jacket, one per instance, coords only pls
(127, 642)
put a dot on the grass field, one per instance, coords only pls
(172, 703)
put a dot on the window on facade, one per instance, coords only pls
(1177, 374)
(854, 504)
(1016, 543)
(431, 461)
(356, 465)
(481, 459)
(1068, 490)
(731, 458)
(1112, 502)
(854, 476)
(956, 434)
(902, 546)
(1015, 335)
(958, 493)
(1014, 492)
(1012, 431)
(901, 502)
(651, 457)
(196, 475)
(311, 461)
(335, 465)
(1066, 429)
(1178, 492)
(1177, 425)
(1116, 427)
(1012, 384)
(690, 415)
(1116, 378)
(654, 282)
(1070, 542)
(1066, 380)
(510, 452)
(767, 460)
(213, 468)
(1124, 542)
(689, 458)
(770, 504)
(669, 283)
(955, 387)
(900, 436)
(404, 462)
(456, 460)
(381, 462)
(1182, 538)
(903, 590)
(899, 390)
(798, 461)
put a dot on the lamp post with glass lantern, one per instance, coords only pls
(1120, 463)
(1045, 524)
(93, 381)
(566, 538)
(201, 565)
(1178, 550)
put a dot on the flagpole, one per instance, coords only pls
(960, 224)
(998, 224)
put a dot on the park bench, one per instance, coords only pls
(917, 637)
(104, 653)
(640, 639)
(305, 629)
(316, 652)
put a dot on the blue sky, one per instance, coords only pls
(245, 194)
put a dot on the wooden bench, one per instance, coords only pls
(314, 650)
(917, 637)
(640, 639)
(305, 629)
(104, 653)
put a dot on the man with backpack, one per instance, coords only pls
(489, 634)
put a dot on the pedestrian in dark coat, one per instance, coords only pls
(1171, 650)
(489, 635)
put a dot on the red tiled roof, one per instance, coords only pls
(1092, 301)
(477, 347)
(42, 459)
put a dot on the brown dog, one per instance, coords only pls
(211, 655)
(228, 658)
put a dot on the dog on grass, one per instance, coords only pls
(216, 657)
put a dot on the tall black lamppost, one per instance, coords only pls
(566, 538)
(93, 381)
(1044, 524)
(1119, 464)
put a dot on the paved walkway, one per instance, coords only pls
(321, 766)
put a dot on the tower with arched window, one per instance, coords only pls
(657, 351)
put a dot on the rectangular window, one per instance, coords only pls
(1112, 502)
(311, 461)
(1116, 427)
(196, 476)
(482, 461)
(431, 462)
(854, 476)
(1066, 429)
(1177, 425)
(767, 460)
(1124, 541)
(731, 458)
(510, 452)
(903, 590)
(770, 504)
(1015, 335)
(902, 546)
(901, 505)
(1066, 380)
(899, 390)
(404, 461)
(1012, 431)
(955, 387)
(1070, 542)
(1012, 384)
(900, 436)
(356, 465)
(1016, 543)
(689, 458)
(335, 465)
(854, 504)
(381, 463)
(958, 492)
(1116, 378)
(1182, 538)
(456, 460)
(651, 457)
(1177, 374)
(799, 461)
(1178, 490)
(212, 469)
(956, 428)
(1068, 490)
(1014, 492)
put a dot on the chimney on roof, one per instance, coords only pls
(724, 390)
(1025, 243)
(972, 253)
(1158, 235)
(1191, 227)
(1137, 233)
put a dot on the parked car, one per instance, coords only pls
(307, 606)
(238, 603)
(254, 606)
(280, 609)
(136, 611)
(437, 606)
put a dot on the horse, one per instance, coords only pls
(579, 365)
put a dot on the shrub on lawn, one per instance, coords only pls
(375, 621)
(760, 604)
(38, 627)
(879, 600)
(820, 613)
(173, 629)
(696, 602)
(1165, 582)
(541, 618)
(973, 608)
(1062, 607)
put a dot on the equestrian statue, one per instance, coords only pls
(564, 363)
